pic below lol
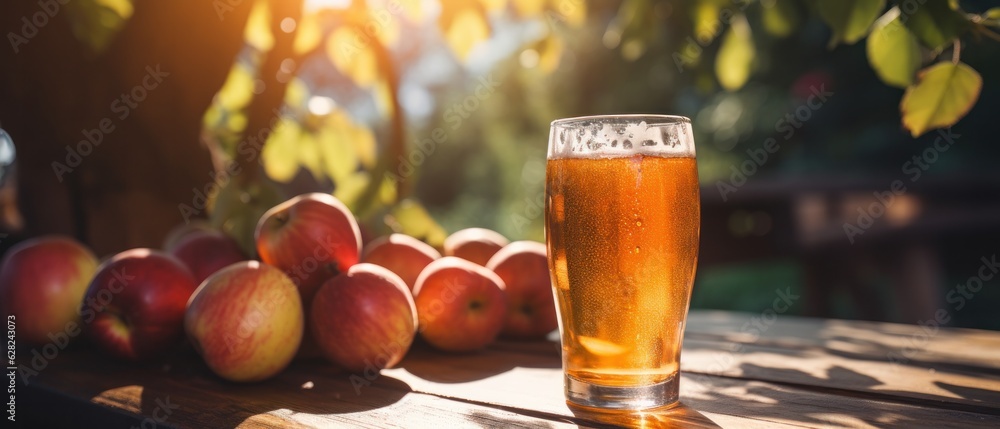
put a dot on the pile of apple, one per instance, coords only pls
(315, 291)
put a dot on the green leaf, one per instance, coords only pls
(238, 206)
(308, 34)
(340, 160)
(258, 28)
(237, 91)
(934, 22)
(736, 54)
(96, 22)
(993, 13)
(893, 51)
(634, 27)
(464, 26)
(410, 217)
(281, 160)
(705, 15)
(849, 19)
(781, 17)
(310, 155)
(355, 59)
(350, 188)
(943, 94)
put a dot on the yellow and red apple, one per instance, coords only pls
(246, 321)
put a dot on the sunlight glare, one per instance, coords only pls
(321, 106)
(312, 5)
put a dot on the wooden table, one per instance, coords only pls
(796, 372)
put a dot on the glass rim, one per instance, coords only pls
(650, 119)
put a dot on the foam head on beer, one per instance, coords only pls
(621, 136)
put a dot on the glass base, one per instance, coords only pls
(623, 398)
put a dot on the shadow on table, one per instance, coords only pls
(799, 398)
(974, 394)
(442, 367)
(873, 350)
(488, 420)
(869, 368)
(181, 391)
(309, 386)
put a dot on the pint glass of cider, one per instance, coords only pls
(622, 220)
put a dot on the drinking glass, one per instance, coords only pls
(622, 221)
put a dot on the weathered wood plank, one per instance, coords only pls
(309, 394)
(810, 352)
(498, 378)
(907, 344)
(776, 381)
(822, 368)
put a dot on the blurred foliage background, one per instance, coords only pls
(428, 116)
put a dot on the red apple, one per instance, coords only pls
(461, 306)
(205, 252)
(183, 230)
(364, 318)
(474, 244)
(404, 255)
(246, 321)
(134, 308)
(311, 237)
(524, 269)
(42, 282)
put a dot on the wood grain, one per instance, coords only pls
(876, 341)
(787, 378)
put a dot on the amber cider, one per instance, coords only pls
(622, 236)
